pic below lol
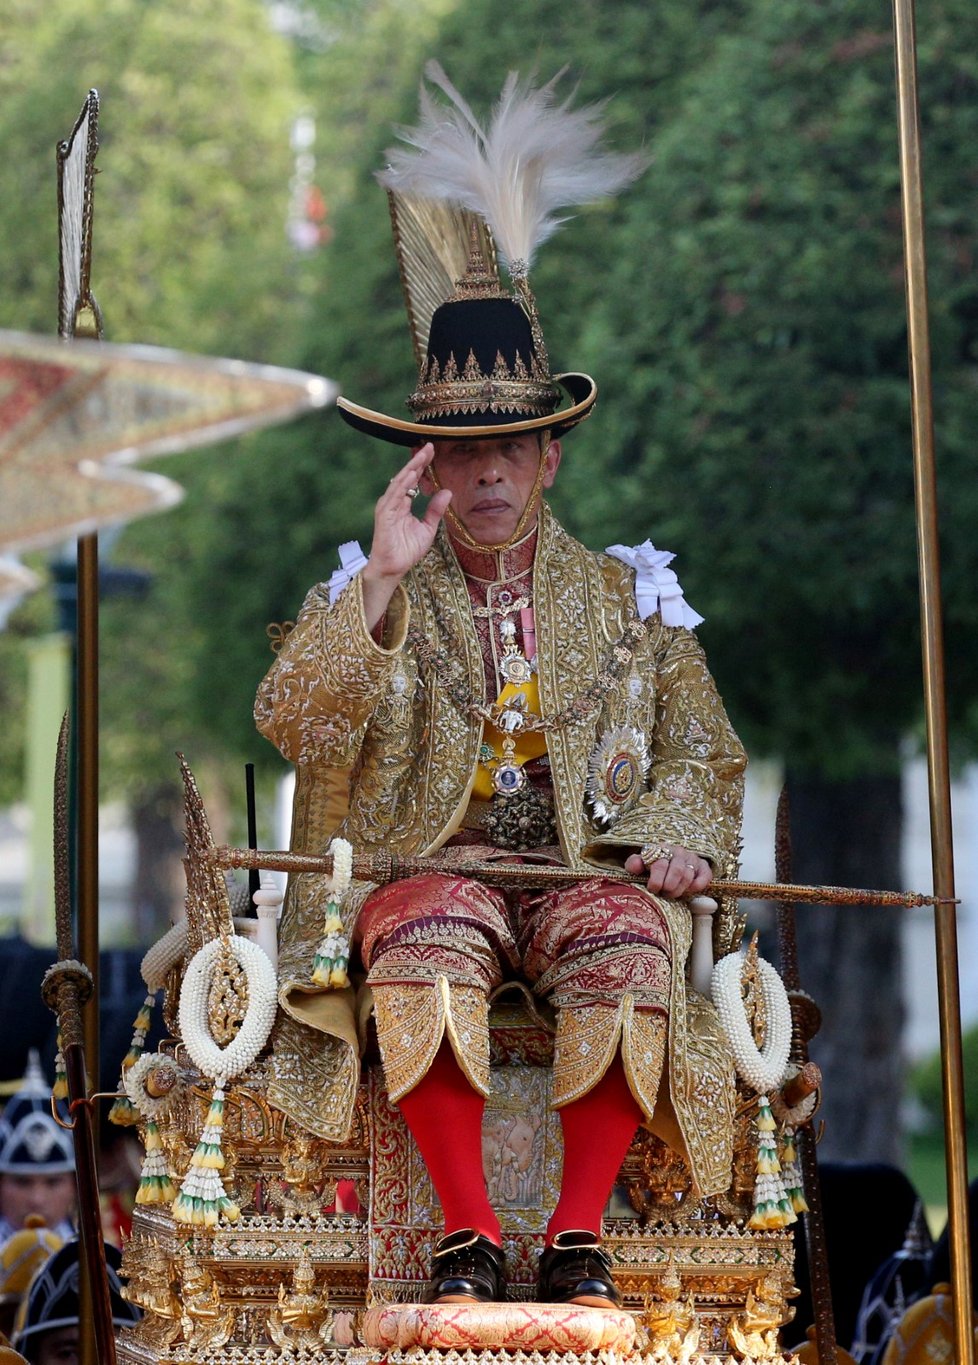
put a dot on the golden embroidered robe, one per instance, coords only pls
(335, 701)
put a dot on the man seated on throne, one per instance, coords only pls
(496, 690)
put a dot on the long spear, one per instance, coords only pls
(79, 315)
(66, 987)
(932, 645)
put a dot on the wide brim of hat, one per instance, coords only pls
(580, 388)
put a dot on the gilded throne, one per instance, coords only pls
(314, 1242)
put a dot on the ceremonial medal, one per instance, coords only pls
(508, 778)
(507, 772)
(515, 669)
(616, 772)
(513, 666)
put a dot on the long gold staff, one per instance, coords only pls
(932, 644)
(389, 867)
(66, 987)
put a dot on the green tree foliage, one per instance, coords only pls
(766, 407)
(193, 167)
(34, 617)
(190, 250)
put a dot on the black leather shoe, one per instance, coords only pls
(575, 1269)
(467, 1268)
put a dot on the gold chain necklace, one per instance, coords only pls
(513, 719)
(500, 609)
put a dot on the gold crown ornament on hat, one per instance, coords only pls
(460, 193)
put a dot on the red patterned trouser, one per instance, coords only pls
(583, 944)
(586, 947)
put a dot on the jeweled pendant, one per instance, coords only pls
(515, 669)
(508, 778)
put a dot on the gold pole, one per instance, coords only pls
(928, 555)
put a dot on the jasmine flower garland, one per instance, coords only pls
(155, 1183)
(224, 1063)
(763, 1069)
(154, 969)
(202, 1198)
(332, 958)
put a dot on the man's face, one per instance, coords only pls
(491, 479)
(51, 1196)
(60, 1347)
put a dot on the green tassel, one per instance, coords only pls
(124, 1113)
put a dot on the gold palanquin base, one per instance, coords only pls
(290, 1282)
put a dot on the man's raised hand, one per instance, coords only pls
(401, 539)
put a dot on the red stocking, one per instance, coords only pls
(598, 1129)
(444, 1115)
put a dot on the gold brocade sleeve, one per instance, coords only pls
(696, 777)
(329, 676)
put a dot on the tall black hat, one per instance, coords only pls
(53, 1298)
(30, 1140)
(458, 194)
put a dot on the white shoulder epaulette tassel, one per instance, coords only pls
(352, 560)
(656, 585)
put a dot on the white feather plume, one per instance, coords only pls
(533, 158)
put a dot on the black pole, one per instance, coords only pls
(254, 875)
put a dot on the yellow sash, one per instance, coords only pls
(529, 743)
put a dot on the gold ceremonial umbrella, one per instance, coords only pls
(74, 418)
